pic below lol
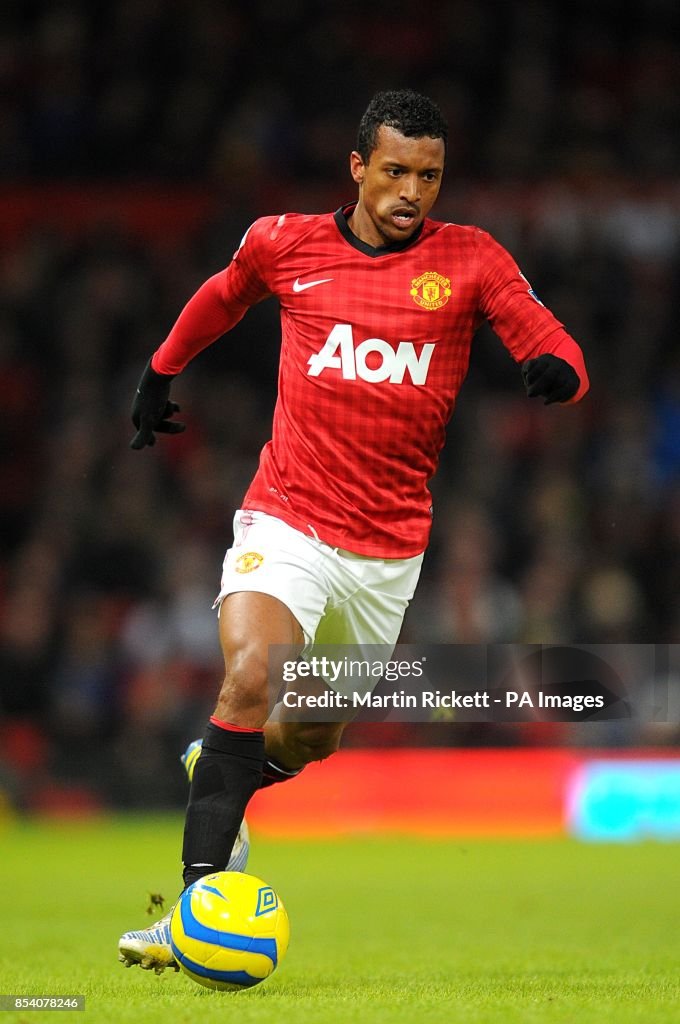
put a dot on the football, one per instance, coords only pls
(229, 930)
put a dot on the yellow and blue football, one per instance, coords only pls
(229, 930)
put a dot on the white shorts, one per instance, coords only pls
(336, 596)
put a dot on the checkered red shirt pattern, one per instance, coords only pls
(358, 427)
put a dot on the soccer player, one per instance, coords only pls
(379, 305)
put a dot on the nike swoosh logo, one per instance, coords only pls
(297, 287)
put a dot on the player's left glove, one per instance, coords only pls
(551, 378)
(152, 408)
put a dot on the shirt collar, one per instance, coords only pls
(341, 216)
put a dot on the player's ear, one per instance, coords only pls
(356, 167)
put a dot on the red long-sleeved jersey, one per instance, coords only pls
(375, 347)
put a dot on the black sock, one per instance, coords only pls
(226, 775)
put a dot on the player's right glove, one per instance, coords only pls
(152, 408)
(551, 378)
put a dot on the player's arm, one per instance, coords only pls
(552, 363)
(214, 309)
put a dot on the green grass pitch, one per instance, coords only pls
(383, 929)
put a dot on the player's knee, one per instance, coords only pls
(313, 741)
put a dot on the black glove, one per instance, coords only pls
(550, 377)
(152, 409)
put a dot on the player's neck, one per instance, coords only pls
(361, 225)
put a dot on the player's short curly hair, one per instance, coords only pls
(407, 111)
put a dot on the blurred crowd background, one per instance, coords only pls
(138, 140)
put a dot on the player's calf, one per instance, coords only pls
(304, 742)
(272, 772)
(226, 775)
(289, 746)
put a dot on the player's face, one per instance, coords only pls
(397, 186)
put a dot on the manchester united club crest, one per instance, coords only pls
(431, 290)
(249, 561)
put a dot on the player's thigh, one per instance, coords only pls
(378, 592)
(250, 623)
(252, 626)
(271, 598)
(363, 629)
